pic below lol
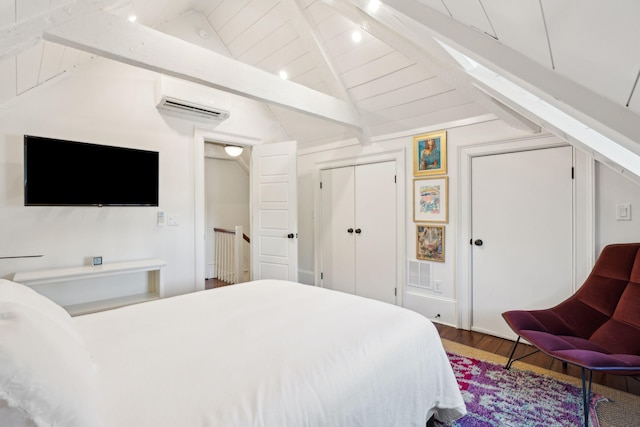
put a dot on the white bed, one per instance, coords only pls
(264, 353)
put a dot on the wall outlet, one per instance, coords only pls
(172, 220)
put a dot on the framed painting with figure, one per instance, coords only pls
(431, 199)
(430, 242)
(430, 154)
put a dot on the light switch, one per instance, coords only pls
(623, 212)
(161, 218)
(172, 220)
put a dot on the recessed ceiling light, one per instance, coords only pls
(283, 75)
(373, 6)
(356, 36)
(132, 18)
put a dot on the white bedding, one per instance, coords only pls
(269, 353)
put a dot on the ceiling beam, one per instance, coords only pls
(617, 123)
(324, 61)
(116, 38)
(422, 52)
(21, 36)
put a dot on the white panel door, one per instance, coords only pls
(274, 242)
(375, 231)
(338, 218)
(359, 230)
(522, 234)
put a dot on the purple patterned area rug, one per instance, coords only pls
(513, 398)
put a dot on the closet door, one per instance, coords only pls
(338, 216)
(375, 213)
(359, 230)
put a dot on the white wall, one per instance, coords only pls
(106, 102)
(427, 302)
(611, 188)
(227, 200)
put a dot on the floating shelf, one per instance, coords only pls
(57, 275)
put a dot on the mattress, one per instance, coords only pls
(269, 353)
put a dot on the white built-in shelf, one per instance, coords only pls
(57, 275)
(108, 304)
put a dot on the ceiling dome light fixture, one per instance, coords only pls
(356, 36)
(233, 150)
(132, 18)
(283, 75)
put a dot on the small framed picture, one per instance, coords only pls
(431, 199)
(430, 242)
(430, 154)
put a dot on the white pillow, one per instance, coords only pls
(18, 293)
(45, 371)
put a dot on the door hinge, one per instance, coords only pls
(395, 291)
(573, 172)
(321, 275)
(321, 185)
(395, 179)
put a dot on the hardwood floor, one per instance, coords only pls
(503, 347)
(215, 283)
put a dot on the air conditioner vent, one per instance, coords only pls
(186, 107)
(191, 101)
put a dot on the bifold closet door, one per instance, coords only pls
(359, 230)
(338, 215)
(375, 208)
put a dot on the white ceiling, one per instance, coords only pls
(398, 77)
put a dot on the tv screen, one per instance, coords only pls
(68, 173)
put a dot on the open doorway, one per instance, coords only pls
(227, 195)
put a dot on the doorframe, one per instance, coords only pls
(397, 155)
(583, 213)
(200, 137)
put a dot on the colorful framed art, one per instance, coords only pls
(430, 242)
(430, 154)
(431, 199)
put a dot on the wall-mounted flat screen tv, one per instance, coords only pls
(68, 173)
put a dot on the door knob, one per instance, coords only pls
(350, 230)
(358, 231)
(478, 242)
(290, 235)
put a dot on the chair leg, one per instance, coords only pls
(586, 395)
(513, 350)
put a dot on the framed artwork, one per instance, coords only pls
(430, 242)
(431, 199)
(430, 154)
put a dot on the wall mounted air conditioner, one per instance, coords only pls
(189, 100)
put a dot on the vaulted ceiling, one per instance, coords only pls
(417, 64)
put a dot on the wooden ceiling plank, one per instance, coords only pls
(25, 34)
(116, 38)
(617, 123)
(415, 50)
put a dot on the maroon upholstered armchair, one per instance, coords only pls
(598, 328)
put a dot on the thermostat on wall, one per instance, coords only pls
(97, 260)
